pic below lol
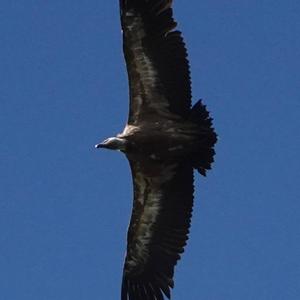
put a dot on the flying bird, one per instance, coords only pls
(164, 140)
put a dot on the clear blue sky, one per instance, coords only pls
(65, 207)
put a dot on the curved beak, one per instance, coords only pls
(100, 145)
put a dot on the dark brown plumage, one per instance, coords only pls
(164, 140)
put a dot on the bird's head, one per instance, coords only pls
(113, 143)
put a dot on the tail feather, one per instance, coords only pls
(203, 154)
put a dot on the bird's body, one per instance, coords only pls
(164, 140)
(172, 139)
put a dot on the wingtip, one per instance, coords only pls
(124, 289)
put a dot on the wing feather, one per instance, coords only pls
(159, 227)
(156, 58)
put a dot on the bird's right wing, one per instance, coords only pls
(159, 227)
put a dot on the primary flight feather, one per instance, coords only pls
(164, 140)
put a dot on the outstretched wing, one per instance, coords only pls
(156, 58)
(159, 227)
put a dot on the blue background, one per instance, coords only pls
(65, 206)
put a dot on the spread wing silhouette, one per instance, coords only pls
(156, 59)
(159, 226)
(164, 140)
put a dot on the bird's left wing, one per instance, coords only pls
(156, 59)
(159, 227)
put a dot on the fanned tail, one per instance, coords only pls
(203, 155)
